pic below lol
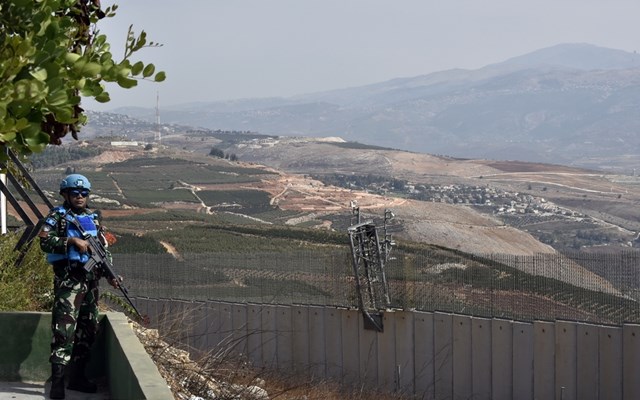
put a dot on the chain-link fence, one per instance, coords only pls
(579, 286)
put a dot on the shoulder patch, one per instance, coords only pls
(59, 210)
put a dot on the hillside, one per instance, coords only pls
(557, 204)
(307, 201)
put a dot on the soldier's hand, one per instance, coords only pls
(81, 244)
(115, 282)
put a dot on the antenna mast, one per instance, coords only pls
(158, 132)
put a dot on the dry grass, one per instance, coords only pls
(221, 374)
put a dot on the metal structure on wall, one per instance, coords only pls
(16, 172)
(369, 256)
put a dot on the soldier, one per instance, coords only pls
(75, 308)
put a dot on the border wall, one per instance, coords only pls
(431, 355)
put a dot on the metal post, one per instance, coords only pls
(3, 207)
(3, 201)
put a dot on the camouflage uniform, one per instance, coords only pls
(75, 309)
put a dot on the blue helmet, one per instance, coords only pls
(75, 181)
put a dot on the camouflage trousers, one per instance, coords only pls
(74, 321)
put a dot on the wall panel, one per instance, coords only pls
(317, 356)
(443, 356)
(502, 359)
(544, 360)
(522, 361)
(631, 361)
(350, 346)
(424, 355)
(610, 347)
(587, 362)
(481, 358)
(405, 358)
(462, 357)
(300, 339)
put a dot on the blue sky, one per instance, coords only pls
(222, 50)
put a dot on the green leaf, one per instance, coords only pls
(31, 131)
(105, 57)
(71, 58)
(57, 98)
(91, 69)
(19, 108)
(123, 71)
(79, 65)
(148, 70)
(137, 68)
(80, 83)
(127, 83)
(38, 142)
(103, 97)
(7, 136)
(160, 76)
(39, 73)
(63, 114)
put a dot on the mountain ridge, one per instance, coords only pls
(571, 104)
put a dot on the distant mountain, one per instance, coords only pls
(574, 104)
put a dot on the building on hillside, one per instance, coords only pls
(125, 144)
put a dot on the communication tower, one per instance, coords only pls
(370, 249)
(158, 134)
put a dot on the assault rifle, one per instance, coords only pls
(99, 258)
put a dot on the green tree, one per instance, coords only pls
(215, 152)
(51, 55)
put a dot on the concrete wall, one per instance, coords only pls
(130, 371)
(430, 355)
(25, 339)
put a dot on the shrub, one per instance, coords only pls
(29, 286)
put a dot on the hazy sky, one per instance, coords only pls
(220, 50)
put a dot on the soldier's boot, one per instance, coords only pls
(57, 382)
(78, 379)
